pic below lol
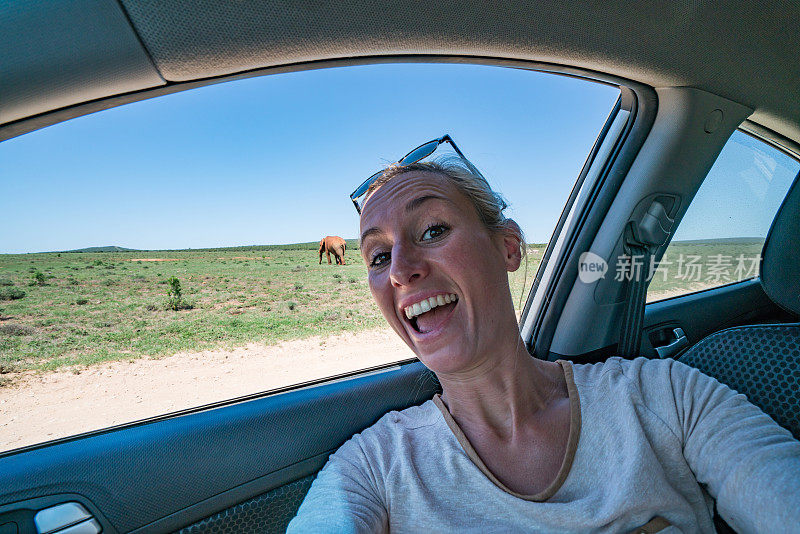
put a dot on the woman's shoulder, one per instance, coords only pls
(655, 383)
(423, 415)
(639, 371)
(394, 427)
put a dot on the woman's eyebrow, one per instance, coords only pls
(411, 206)
(417, 202)
(370, 232)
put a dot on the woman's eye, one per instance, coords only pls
(434, 231)
(379, 259)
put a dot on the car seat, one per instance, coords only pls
(763, 361)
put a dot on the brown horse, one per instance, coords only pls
(335, 244)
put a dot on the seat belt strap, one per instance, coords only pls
(642, 240)
(633, 315)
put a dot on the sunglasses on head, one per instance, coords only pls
(421, 152)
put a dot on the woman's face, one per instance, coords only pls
(438, 275)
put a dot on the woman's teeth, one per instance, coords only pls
(429, 304)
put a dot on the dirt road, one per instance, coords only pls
(41, 407)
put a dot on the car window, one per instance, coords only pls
(165, 254)
(719, 239)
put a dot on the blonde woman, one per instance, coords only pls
(518, 444)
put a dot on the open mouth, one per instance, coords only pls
(429, 314)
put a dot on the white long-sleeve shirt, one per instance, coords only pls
(651, 442)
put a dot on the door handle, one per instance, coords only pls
(669, 350)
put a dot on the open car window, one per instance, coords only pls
(165, 255)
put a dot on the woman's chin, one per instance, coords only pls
(448, 360)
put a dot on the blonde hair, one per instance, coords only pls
(488, 204)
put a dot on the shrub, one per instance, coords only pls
(12, 329)
(352, 280)
(298, 286)
(97, 263)
(292, 305)
(81, 302)
(175, 300)
(6, 282)
(11, 293)
(337, 276)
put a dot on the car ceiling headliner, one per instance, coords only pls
(61, 54)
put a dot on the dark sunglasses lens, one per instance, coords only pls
(419, 153)
(365, 186)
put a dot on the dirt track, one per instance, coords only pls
(40, 407)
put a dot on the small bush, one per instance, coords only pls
(298, 286)
(81, 302)
(6, 282)
(11, 293)
(352, 280)
(292, 305)
(175, 300)
(151, 307)
(72, 282)
(337, 276)
(97, 263)
(12, 329)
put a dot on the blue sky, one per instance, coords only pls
(742, 192)
(273, 159)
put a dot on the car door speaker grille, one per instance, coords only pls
(269, 512)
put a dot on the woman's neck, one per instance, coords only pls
(504, 391)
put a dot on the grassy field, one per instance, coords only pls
(83, 308)
(694, 265)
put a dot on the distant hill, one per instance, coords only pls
(110, 248)
(352, 244)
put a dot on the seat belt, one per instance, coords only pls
(642, 240)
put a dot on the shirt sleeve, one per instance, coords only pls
(343, 498)
(747, 462)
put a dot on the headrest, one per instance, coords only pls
(780, 259)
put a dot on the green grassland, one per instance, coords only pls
(80, 308)
(720, 261)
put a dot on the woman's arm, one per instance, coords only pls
(343, 497)
(749, 464)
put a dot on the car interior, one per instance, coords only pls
(690, 76)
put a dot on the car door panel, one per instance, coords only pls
(164, 475)
(705, 312)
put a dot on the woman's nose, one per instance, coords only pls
(407, 266)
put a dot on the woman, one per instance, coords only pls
(517, 444)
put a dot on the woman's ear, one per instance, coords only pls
(512, 244)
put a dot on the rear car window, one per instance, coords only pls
(719, 239)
